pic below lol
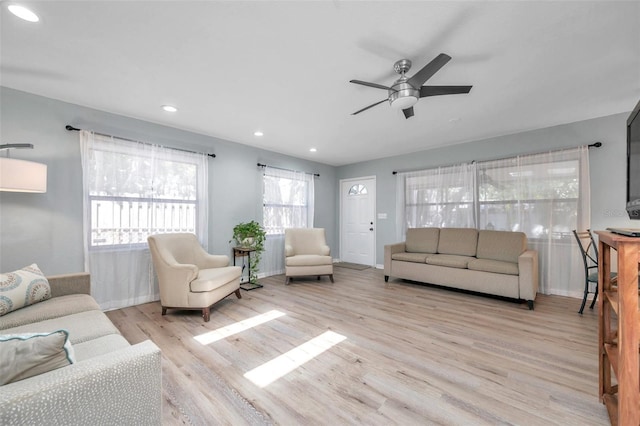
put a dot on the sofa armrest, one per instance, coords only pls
(389, 250)
(76, 283)
(120, 387)
(528, 274)
(325, 250)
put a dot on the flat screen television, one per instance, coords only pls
(633, 164)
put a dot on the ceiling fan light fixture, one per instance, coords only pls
(404, 103)
(402, 95)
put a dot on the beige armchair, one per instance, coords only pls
(189, 277)
(306, 253)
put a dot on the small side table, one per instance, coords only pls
(245, 252)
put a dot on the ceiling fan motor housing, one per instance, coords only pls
(403, 95)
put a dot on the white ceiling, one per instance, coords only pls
(284, 67)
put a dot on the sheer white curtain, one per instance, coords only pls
(132, 190)
(546, 196)
(288, 202)
(441, 197)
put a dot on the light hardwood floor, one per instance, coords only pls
(413, 354)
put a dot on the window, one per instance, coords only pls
(135, 190)
(440, 197)
(531, 195)
(357, 189)
(287, 200)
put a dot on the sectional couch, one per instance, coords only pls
(485, 261)
(110, 382)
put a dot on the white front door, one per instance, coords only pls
(357, 219)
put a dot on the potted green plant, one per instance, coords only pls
(251, 235)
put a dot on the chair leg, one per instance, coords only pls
(238, 294)
(595, 297)
(584, 298)
(205, 314)
(331, 277)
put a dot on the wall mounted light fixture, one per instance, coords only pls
(21, 175)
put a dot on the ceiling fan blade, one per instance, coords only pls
(408, 112)
(365, 83)
(370, 106)
(443, 90)
(429, 70)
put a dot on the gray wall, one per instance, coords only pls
(607, 168)
(47, 228)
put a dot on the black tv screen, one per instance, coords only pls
(633, 164)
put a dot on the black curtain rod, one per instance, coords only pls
(75, 129)
(288, 170)
(395, 172)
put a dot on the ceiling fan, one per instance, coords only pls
(405, 91)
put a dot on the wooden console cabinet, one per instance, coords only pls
(619, 328)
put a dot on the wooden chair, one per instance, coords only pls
(589, 252)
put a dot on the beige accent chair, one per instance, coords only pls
(189, 277)
(306, 253)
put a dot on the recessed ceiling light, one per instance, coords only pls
(258, 133)
(312, 149)
(23, 13)
(169, 108)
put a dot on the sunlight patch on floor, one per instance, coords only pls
(287, 362)
(229, 330)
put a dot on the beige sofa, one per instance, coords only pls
(111, 382)
(492, 262)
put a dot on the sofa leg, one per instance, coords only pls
(164, 311)
(331, 277)
(205, 314)
(386, 278)
(238, 294)
(530, 304)
(318, 277)
(286, 280)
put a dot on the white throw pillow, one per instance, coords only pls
(22, 288)
(29, 354)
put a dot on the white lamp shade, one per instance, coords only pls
(22, 176)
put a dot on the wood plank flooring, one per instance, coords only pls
(413, 354)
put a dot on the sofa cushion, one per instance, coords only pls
(422, 240)
(458, 241)
(210, 279)
(410, 257)
(497, 266)
(308, 260)
(52, 308)
(30, 354)
(501, 245)
(22, 288)
(450, 260)
(82, 326)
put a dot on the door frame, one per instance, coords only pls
(374, 214)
